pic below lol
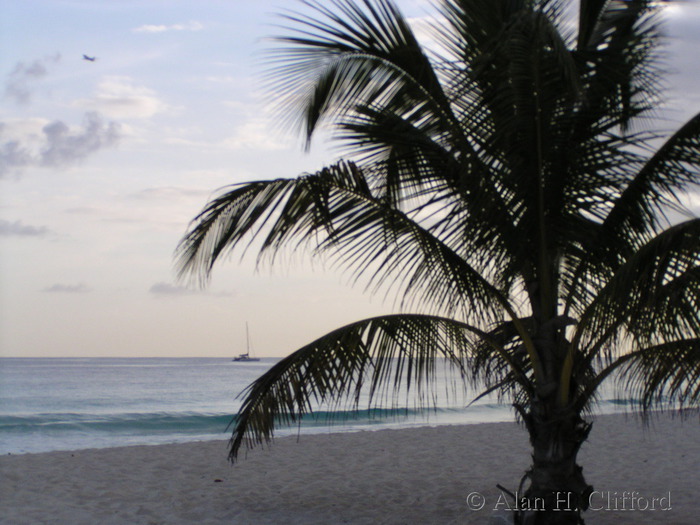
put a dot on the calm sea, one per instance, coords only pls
(69, 404)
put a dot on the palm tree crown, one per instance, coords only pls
(507, 185)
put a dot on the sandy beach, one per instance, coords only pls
(422, 476)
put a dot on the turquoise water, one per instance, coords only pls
(69, 404)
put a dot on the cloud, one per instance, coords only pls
(683, 40)
(190, 26)
(18, 85)
(55, 145)
(253, 134)
(67, 288)
(169, 193)
(65, 147)
(119, 97)
(17, 229)
(166, 289)
(13, 155)
(692, 201)
(163, 289)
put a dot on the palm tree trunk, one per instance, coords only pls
(558, 492)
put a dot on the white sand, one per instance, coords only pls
(415, 476)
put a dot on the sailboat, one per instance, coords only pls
(245, 358)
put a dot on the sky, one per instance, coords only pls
(104, 163)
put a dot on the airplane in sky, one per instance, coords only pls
(91, 59)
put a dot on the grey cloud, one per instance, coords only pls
(170, 289)
(60, 146)
(163, 289)
(18, 85)
(64, 147)
(17, 229)
(67, 288)
(13, 155)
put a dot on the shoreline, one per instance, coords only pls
(391, 476)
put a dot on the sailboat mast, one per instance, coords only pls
(246, 357)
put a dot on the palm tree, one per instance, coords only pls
(506, 184)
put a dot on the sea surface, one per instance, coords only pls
(51, 404)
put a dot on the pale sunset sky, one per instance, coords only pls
(103, 164)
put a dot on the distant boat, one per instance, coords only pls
(246, 358)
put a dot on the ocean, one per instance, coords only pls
(51, 404)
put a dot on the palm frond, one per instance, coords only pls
(634, 214)
(339, 212)
(225, 221)
(672, 170)
(351, 55)
(653, 297)
(662, 376)
(618, 44)
(382, 359)
(589, 19)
